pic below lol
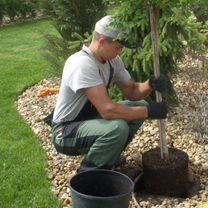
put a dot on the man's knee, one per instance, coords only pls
(121, 129)
(134, 103)
(143, 103)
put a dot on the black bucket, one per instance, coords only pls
(101, 189)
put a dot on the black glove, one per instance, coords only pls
(157, 110)
(159, 84)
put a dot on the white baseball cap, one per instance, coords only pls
(105, 27)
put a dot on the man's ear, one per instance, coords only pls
(101, 41)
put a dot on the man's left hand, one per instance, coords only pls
(159, 84)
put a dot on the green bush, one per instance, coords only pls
(12, 8)
(178, 29)
(58, 50)
(18, 8)
(2, 10)
(73, 20)
(200, 10)
(73, 15)
(28, 8)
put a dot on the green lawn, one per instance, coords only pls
(23, 174)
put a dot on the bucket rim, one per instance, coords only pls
(102, 197)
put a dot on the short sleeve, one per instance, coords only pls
(121, 74)
(82, 73)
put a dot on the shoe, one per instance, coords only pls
(87, 166)
(120, 161)
(131, 172)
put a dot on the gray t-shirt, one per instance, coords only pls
(82, 70)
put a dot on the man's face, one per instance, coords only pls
(110, 49)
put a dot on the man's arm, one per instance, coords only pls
(109, 110)
(135, 90)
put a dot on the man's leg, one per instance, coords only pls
(102, 141)
(136, 124)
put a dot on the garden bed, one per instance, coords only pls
(186, 129)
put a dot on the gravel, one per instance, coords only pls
(186, 129)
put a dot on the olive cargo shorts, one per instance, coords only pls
(100, 140)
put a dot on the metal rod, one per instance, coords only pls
(156, 64)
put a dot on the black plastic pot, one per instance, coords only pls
(101, 189)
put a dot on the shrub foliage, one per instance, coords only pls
(177, 25)
(18, 8)
(73, 20)
(178, 29)
(71, 16)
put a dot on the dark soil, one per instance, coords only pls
(163, 177)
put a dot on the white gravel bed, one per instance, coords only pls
(186, 129)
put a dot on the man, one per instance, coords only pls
(86, 121)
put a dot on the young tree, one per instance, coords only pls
(159, 29)
(178, 29)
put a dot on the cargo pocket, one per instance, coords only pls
(69, 141)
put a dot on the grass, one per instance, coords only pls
(23, 173)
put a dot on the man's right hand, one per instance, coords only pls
(159, 84)
(157, 110)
